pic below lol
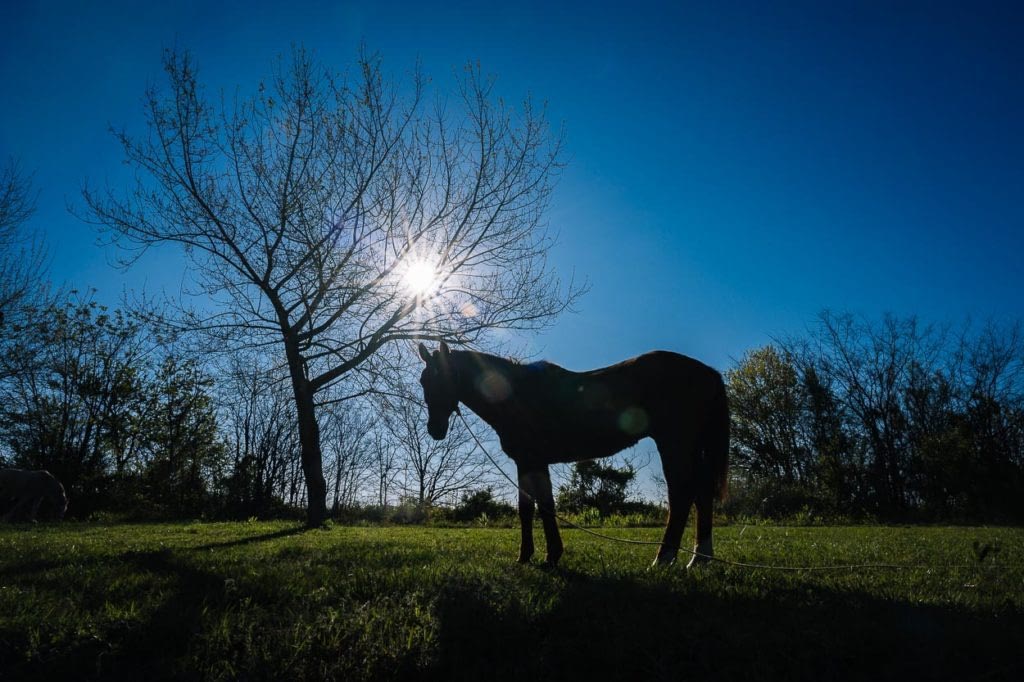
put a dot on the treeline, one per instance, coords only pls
(890, 419)
(140, 425)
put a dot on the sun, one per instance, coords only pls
(420, 277)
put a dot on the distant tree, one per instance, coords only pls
(185, 453)
(835, 473)
(903, 417)
(767, 402)
(476, 504)
(72, 389)
(433, 470)
(385, 465)
(258, 423)
(348, 439)
(329, 217)
(596, 485)
(871, 365)
(991, 421)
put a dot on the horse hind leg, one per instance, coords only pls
(677, 462)
(703, 550)
(546, 509)
(712, 465)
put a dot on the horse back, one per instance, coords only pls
(587, 415)
(18, 482)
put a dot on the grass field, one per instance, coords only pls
(268, 601)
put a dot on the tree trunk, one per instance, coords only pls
(312, 460)
(309, 438)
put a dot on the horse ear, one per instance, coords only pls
(445, 351)
(425, 354)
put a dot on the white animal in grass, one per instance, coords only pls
(31, 487)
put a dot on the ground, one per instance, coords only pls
(269, 601)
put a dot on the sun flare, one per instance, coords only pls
(420, 278)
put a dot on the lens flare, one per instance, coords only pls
(420, 278)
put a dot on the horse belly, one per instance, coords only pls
(590, 441)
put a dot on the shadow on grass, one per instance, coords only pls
(265, 537)
(36, 566)
(618, 629)
(151, 650)
(575, 626)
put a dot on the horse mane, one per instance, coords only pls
(483, 361)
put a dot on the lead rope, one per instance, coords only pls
(708, 557)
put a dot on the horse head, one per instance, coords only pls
(439, 389)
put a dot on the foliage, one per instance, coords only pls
(184, 450)
(891, 419)
(261, 440)
(857, 420)
(481, 504)
(84, 397)
(268, 601)
(766, 401)
(593, 484)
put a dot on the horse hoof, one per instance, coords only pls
(703, 552)
(696, 561)
(662, 562)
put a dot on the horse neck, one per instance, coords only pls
(469, 366)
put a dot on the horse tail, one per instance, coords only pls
(716, 441)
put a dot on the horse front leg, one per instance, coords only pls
(525, 518)
(535, 487)
(541, 481)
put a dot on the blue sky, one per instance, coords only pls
(734, 167)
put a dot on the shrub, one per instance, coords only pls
(481, 504)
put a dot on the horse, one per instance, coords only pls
(24, 487)
(545, 414)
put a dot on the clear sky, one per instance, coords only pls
(734, 167)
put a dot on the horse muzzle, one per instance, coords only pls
(437, 429)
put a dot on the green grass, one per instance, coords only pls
(267, 601)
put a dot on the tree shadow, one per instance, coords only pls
(252, 539)
(36, 566)
(624, 629)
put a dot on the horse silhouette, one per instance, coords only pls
(24, 487)
(545, 414)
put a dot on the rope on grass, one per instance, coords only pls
(709, 557)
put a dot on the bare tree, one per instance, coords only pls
(872, 367)
(384, 465)
(434, 470)
(262, 438)
(348, 438)
(21, 256)
(329, 216)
